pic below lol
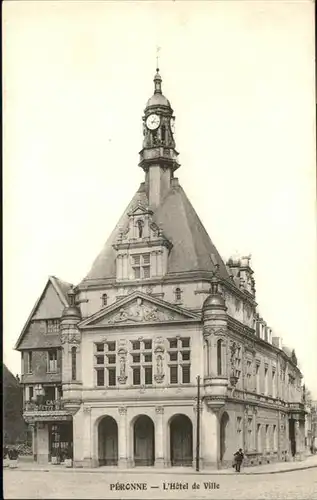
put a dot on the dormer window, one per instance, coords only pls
(178, 294)
(104, 299)
(141, 266)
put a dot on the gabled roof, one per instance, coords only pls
(192, 249)
(60, 287)
(139, 308)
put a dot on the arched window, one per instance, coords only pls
(163, 133)
(104, 299)
(73, 351)
(178, 294)
(219, 357)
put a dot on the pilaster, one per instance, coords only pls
(123, 438)
(159, 437)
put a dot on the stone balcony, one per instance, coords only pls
(215, 391)
(49, 411)
(297, 410)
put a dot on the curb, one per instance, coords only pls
(191, 473)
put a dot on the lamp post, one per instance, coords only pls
(198, 425)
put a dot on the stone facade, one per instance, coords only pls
(111, 367)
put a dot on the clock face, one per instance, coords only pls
(153, 121)
(172, 125)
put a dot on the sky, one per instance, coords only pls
(240, 78)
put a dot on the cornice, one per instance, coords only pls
(245, 295)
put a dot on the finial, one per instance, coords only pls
(157, 78)
(71, 295)
(214, 284)
(157, 57)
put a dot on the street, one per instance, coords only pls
(300, 484)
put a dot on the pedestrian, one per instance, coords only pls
(238, 458)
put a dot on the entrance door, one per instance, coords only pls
(223, 427)
(108, 441)
(61, 440)
(292, 437)
(143, 441)
(181, 436)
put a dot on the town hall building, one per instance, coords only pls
(110, 366)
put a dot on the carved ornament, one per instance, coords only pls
(159, 409)
(122, 378)
(122, 410)
(140, 312)
(210, 330)
(159, 375)
(70, 337)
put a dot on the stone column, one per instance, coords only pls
(123, 438)
(87, 462)
(159, 437)
(34, 439)
(42, 443)
(210, 436)
(159, 262)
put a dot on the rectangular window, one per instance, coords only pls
(136, 375)
(185, 342)
(141, 265)
(74, 362)
(29, 362)
(146, 272)
(267, 437)
(31, 392)
(111, 376)
(274, 438)
(111, 359)
(273, 384)
(148, 377)
(147, 358)
(173, 356)
(52, 360)
(186, 374)
(100, 347)
(135, 345)
(147, 344)
(173, 374)
(186, 355)
(258, 437)
(136, 358)
(53, 326)
(265, 381)
(173, 343)
(250, 433)
(257, 378)
(100, 360)
(111, 346)
(239, 431)
(101, 377)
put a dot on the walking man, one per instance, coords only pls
(238, 458)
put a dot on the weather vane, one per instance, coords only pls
(157, 56)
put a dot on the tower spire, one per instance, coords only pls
(157, 78)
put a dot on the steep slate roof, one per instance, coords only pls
(192, 249)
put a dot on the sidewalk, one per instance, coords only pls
(26, 464)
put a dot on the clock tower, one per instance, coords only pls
(158, 157)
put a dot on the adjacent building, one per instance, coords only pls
(110, 366)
